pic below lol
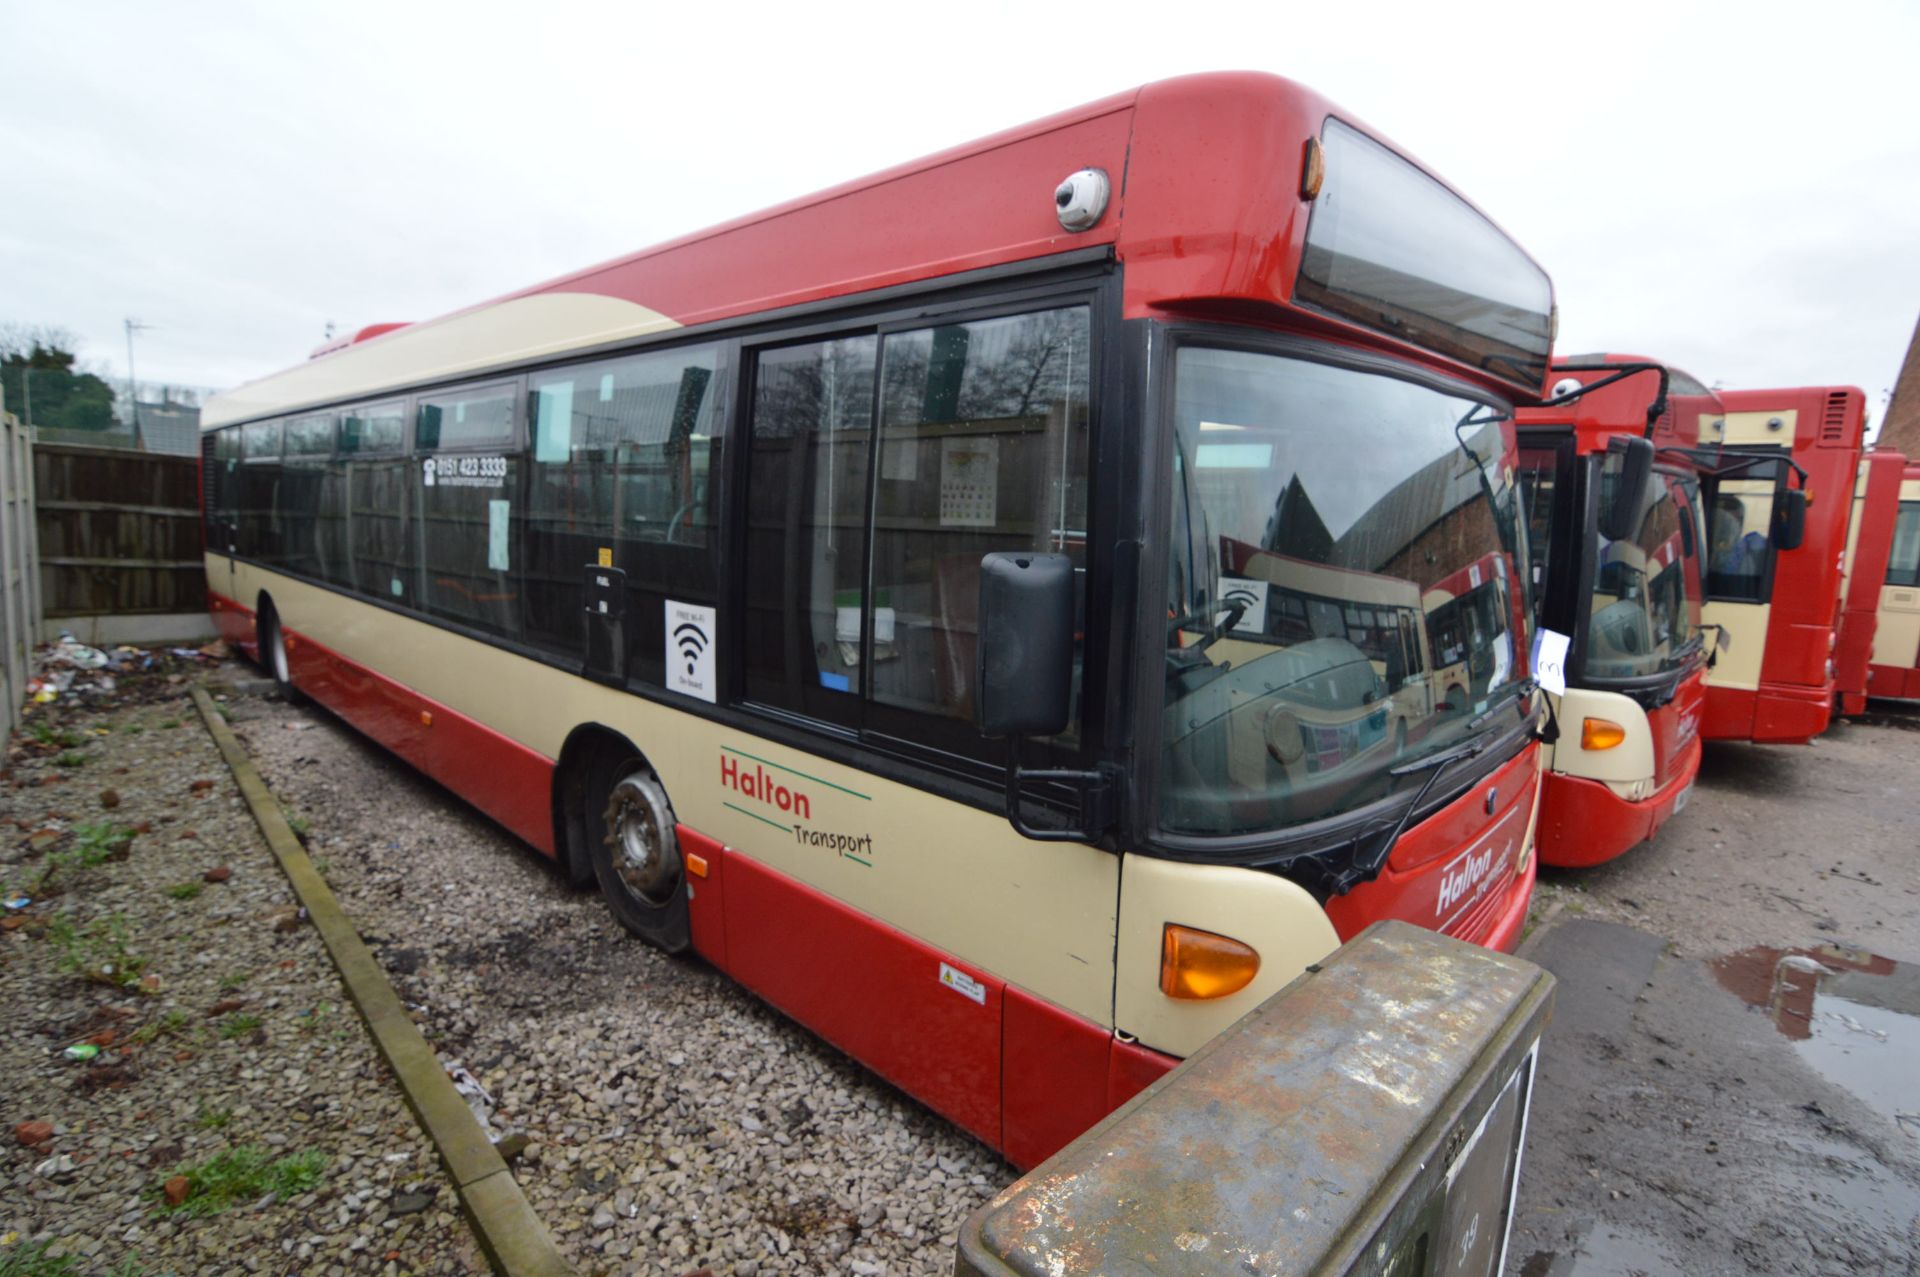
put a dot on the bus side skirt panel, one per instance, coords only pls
(918, 1017)
(504, 779)
(706, 894)
(1055, 1081)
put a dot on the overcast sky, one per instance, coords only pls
(1734, 188)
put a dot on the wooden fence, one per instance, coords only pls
(19, 579)
(119, 534)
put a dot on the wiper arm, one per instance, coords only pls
(1446, 757)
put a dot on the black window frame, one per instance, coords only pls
(1710, 495)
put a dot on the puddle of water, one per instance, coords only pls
(1853, 1017)
(1605, 1250)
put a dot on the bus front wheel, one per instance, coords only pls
(273, 655)
(636, 854)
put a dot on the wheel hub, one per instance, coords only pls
(647, 863)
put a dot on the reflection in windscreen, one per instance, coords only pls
(1344, 586)
(1644, 607)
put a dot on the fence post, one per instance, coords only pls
(11, 578)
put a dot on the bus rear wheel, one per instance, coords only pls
(273, 655)
(636, 854)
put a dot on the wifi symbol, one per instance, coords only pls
(692, 641)
(1242, 596)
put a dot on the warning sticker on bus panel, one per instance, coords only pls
(962, 983)
(690, 634)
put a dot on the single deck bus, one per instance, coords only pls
(853, 590)
(1776, 606)
(1895, 667)
(1876, 509)
(1617, 554)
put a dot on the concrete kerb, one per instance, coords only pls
(516, 1243)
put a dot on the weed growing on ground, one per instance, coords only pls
(172, 1024)
(184, 890)
(238, 1026)
(133, 729)
(300, 826)
(213, 1119)
(93, 846)
(72, 758)
(237, 980)
(243, 1174)
(98, 951)
(65, 738)
(33, 1261)
(315, 1020)
(168, 724)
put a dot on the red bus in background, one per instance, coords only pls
(676, 567)
(1895, 668)
(1777, 608)
(1876, 508)
(1621, 576)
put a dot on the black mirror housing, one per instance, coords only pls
(1790, 520)
(1025, 673)
(1618, 519)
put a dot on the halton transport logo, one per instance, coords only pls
(790, 793)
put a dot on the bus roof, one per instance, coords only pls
(1209, 212)
(1621, 408)
(1806, 417)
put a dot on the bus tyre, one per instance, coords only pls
(636, 855)
(273, 655)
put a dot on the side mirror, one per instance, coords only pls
(1620, 520)
(1790, 520)
(1025, 670)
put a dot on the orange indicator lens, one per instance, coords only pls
(1197, 964)
(1599, 733)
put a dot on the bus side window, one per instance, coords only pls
(1738, 543)
(467, 472)
(623, 451)
(379, 481)
(983, 448)
(806, 526)
(1903, 564)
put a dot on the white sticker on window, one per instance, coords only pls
(1550, 660)
(962, 983)
(498, 521)
(691, 632)
(1251, 597)
(553, 435)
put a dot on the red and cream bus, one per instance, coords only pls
(847, 588)
(1616, 540)
(1895, 667)
(1876, 509)
(1775, 603)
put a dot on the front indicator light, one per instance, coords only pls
(1196, 965)
(1601, 733)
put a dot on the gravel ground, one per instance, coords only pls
(235, 1030)
(675, 1122)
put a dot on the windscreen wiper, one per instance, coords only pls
(1361, 869)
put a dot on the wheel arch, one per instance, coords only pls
(583, 743)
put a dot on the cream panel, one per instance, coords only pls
(1853, 526)
(1910, 489)
(1626, 763)
(1283, 923)
(1896, 636)
(1040, 915)
(1743, 627)
(521, 328)
(1751, 427)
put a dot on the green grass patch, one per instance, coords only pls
(72, 758)
(98, 951)
(172, 1024)
(33, 1261)
(237, 980)
(184, 890)
(168, 724)
(243, 1174)
(213, 1118)
(238, 1026)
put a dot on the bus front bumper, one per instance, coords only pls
(1584, 823)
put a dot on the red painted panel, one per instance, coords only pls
(1456, 870)
(1583, 823)
(874, 992)
(503, 778)
(1676, 729)
(1893, 681)
(1729, 714)
(1873, 545)
(1791, 715)
(1055, 1078)
(706, 897)
(1132, 1068)
(234, 624)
